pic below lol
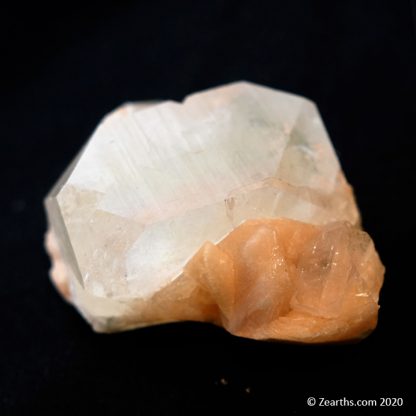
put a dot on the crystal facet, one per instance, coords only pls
(230, 208)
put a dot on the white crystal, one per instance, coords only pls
(155, 182)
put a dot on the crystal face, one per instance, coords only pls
(230, 207)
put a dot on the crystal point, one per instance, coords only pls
(230, 207)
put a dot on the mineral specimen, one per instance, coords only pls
(230, 207)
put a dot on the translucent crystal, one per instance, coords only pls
(154, 199)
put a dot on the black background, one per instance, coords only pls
(64, 67)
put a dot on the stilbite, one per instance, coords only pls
(230, 208)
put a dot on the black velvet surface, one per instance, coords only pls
(67, 65)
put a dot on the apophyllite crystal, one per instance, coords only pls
(230, 207)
